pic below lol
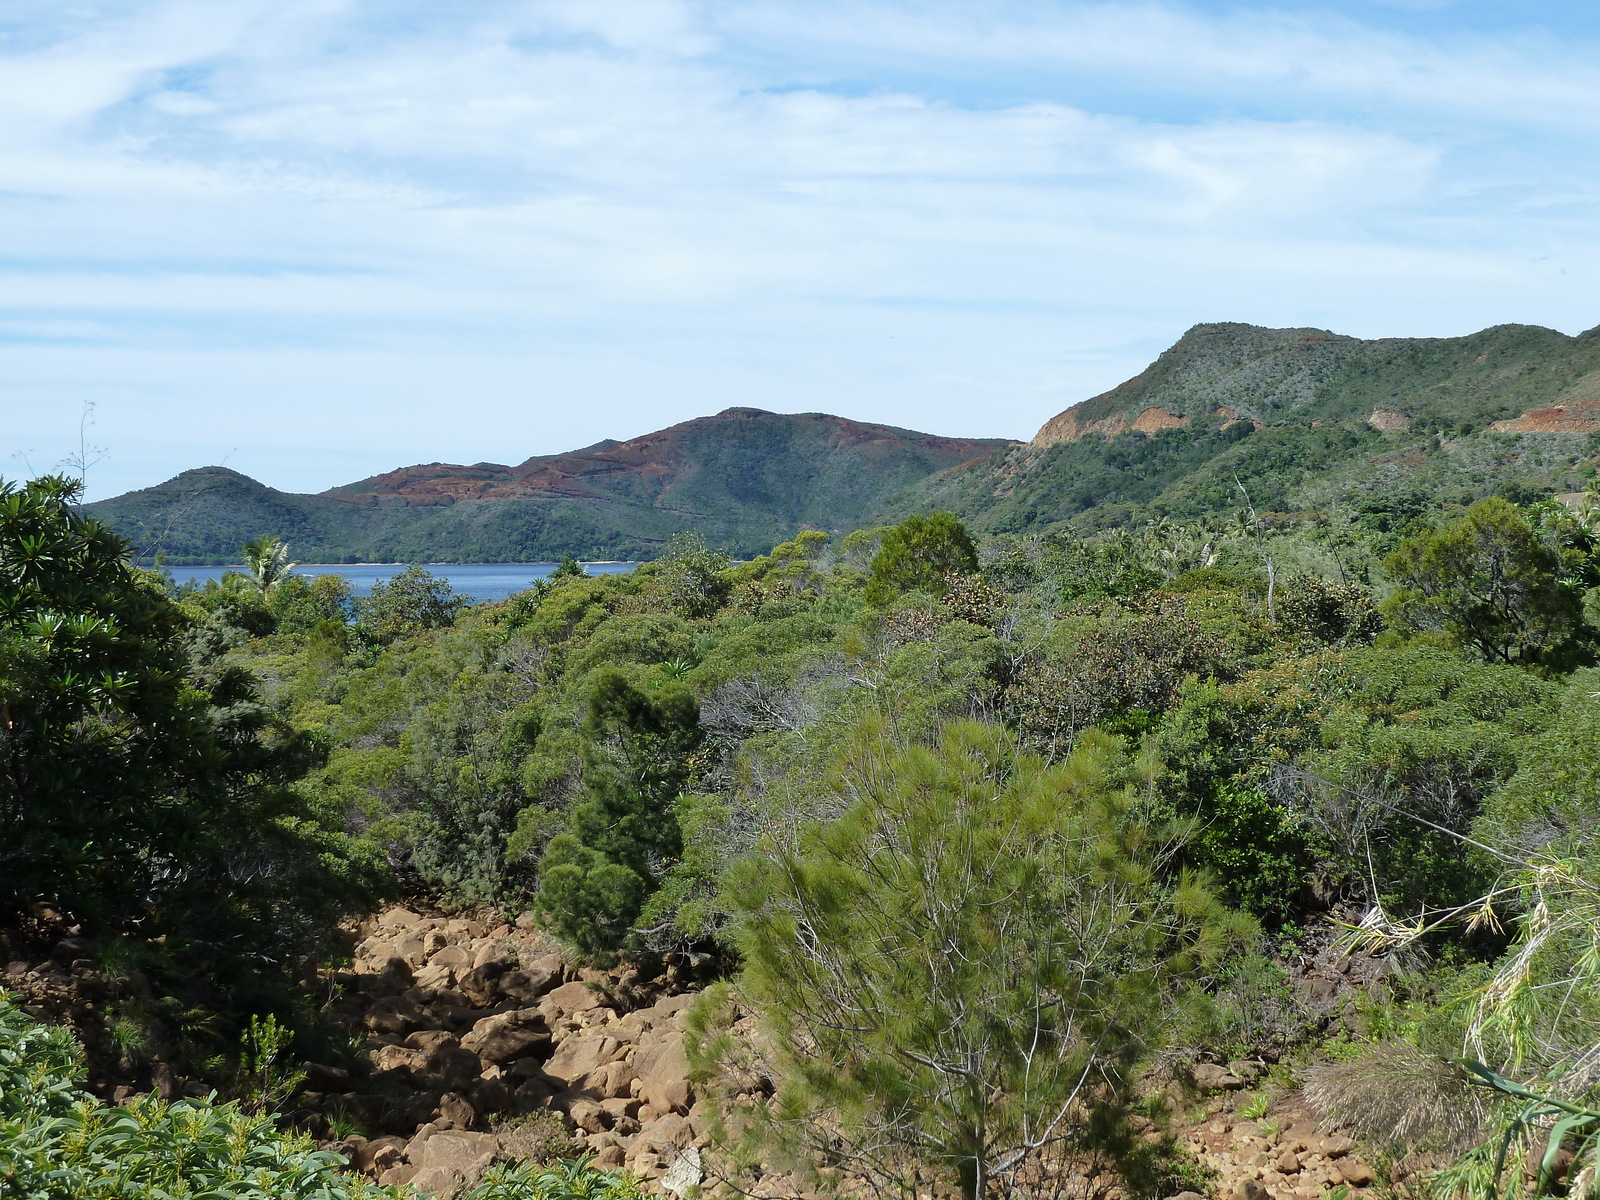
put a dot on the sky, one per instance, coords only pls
(314, 240)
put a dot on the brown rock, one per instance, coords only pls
(396, 1016)
(617, 1079)
(493, 952)
(1335, 1145)
(509, 1036)
(481, 985)
(456, 1150)
(574, 997)
(454, 957)
(1209, 1077)
(453, 1068)
(436, 1181)
(1356, 1173)
(398, 1058)
(663, 1070)
(429, 1040)
(456, 1112)
(577, 1057)
(528, 922)
(436, 977)
(490, 1096)
(611, 1156)
(530, 1096)
(397, 1176)
(588, 1115)
(400, 918)
(1250, 1189)
(1289, 1162)
(525, 987)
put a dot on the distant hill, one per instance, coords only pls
(1302, 418)
(744, 478)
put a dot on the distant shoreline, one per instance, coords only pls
(150, 565)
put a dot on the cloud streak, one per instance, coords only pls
(349, 235)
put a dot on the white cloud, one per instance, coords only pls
(603, 216)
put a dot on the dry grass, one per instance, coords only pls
(1400, 1095)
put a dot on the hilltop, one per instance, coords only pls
(1303, 418)
(744, 478)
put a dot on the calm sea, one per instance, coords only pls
(481, 581)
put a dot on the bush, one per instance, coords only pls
(57, 1143)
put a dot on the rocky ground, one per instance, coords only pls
(483, 1045)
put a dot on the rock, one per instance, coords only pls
(453, 1150)
(480, 985)
(663, 1071)
(453, 1068)
(396, 1016)
(1248, 1070)
(1250, 1189)
(438, 977)
(490, 1096)
(509, 1036)
(1335, 1145)
(456, 1112)
(610, 1156)
(1209, 1077)
(400, 918)
(378, 1155)
(410, 946)
(398, 1176)
(1357, 1173)
(685, 1174)
(399, 1058)
(530, 1096)
(574, 997)
(429, 1040)
(1289, 1162)
(454, 957)
(1187, 1196)
(588, 1115)
(493, 952)
(578, 1057)
(525, 987)
(469, 931)
(528, 922)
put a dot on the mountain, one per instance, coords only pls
(743, 478)
(1301, 418)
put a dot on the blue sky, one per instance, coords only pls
(317, 239)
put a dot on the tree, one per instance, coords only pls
(920, 554)
(412, 601)
(266, 563)
(135, 787)
(1490, 581)
(692, 574)
(961, 967)
(595, 878)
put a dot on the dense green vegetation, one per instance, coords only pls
(974, 827)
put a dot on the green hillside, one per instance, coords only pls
(744, 478)
(1299, 426)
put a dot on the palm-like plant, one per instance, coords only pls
(266, 562)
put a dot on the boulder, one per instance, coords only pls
(1250, 1189)
(685, 1174)
(1209, 1077)
(576, 1058)
(400, 918)
(395, 1016)
(1357, 1173)
(456, 1112)
(574, 997)
(453, 1150)
(525, 987)
(663, 1071)
(453, 1068)
(454, 957)
(489, 1096)
(480, 985)
(509, 1036)
(399, 1058)
(429, 1040)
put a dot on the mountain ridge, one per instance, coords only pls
(1309, 417)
